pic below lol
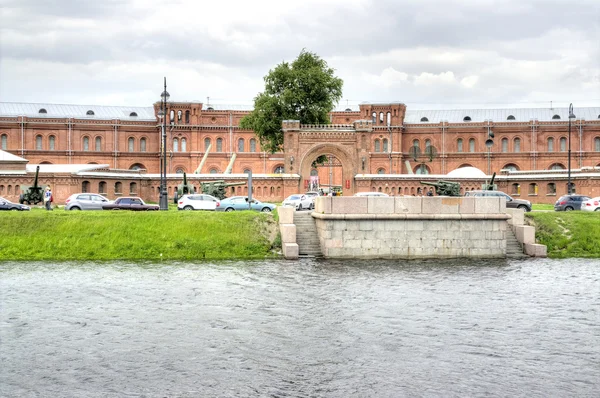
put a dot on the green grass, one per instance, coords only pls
(568, 234)
(172, 235)
(542, 206)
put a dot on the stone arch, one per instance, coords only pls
(349, 168)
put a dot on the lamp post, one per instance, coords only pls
(571, 116)
(489, 143)
(163, 203)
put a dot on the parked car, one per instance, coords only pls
(570, 202)
(511, 203)
(299, 201)
(371, 194)
(197, 202)
(85, 201)
(241, 203)
(591, 204)
(129, 203)
(6, 204)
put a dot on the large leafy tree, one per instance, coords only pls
(305, 90)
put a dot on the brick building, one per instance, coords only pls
(116, 150)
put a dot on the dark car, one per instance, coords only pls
(570, 202)
(511, 203)
(129, 203)
(6, 204)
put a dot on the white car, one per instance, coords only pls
(592, 204)
(299, 201)
(197, 202)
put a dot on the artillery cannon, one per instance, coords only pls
(444, 188)
(217, 188)
(184, 189)
(32, 194)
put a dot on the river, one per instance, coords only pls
(307, 328)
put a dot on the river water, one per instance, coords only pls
(310, 328)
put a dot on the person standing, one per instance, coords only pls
(48, 199)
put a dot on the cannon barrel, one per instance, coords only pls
(37, 173)
(434, 184)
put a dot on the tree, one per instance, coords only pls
(304, 90)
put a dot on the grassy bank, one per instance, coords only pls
(568, 234)
(172, 235)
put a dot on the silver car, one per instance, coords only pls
(85, 201)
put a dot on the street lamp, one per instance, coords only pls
(489, 143)
(571, 116)
(163, 203)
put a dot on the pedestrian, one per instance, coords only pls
(48, 199)
(430, 192)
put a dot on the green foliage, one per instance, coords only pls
(568, 234)
(304, 90)
(321, 160)
(172, 235)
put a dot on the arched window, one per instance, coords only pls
(517, 145)
(504, 145)
(102, 188)
(511, 167)
(118, 187)
(206, 144)
(137, 166)
(472, 145)
(381, 171)
(4, 142)
(132, 188)
(551, 189)
(130, 144)
(38, 142)
(213, 171)
(557, 166)
(86, 143)
(314, 172)
(416, 143)
(179, 171)
(533, 189)
(516, 189)
(42, 110)
(85, 186)
(247, 171)
(424, 119)
(389, 118)
(563, 144)
(187, 117)
(459, 145)
(556, 117)
(252, 145)
(550, 144)
(385, 145)
(597, 144)
(52, 142)
(380, 117)
(133, 114)
(241, 145)
(278, 170)
(374, 117)
(219, 145)
(175, 145)
(98, 144)
(377, 146)
(183, 145)
(467, 119)
(427, 143)
(422, 169)
(142, 145)
(510, 117)
(90, 113)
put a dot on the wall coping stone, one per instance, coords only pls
(396, 216)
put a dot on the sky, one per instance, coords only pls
(428, 54)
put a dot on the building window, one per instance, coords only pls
(314, 172)
(85, 186)
(422, 169)
(416, 143)
(510, 117)
(137, 166)
(516, 189)
(86, 144)
(213, 171)
(563, 144)
(219, 145)
(130, 144)
(510, 167)
(533, 189)
(179, 171)
(241, 145)
(459, 145)
(278, 170)
(427, 143)
(389, 118)
(187, 117)
(183, 145)
(252, 145)
(42, 110)
(132, 188)
(102, 187)
(52, 142)
(175, 145)
(551, 189)
(504, 145)
(374, 117)
(380, 117)
(377, 146)
(133, 114)
(90, 113)
(98, 144)
(118, 188)
(597, 144)
(381, 171)
(467, 119)
(4, 142)
(517, 144)
(550, 144)
(38, 142)
(556, 117)
(472, 145)
(206, 144)
(142, 145)
(385, 145)
(557, 166)
(424, 119)
(247, 171)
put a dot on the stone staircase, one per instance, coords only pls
(513, 247)
(306, 234)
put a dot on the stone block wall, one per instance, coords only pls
(411, 227)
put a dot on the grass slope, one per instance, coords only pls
(568, 234)
(172, 235)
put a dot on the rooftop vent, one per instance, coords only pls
(424, 119)
(42, 110)
(467, 119)
(133, 114)
(510, 117)
(90, 113)
(210, 108)
(348, 110)
(556, 117)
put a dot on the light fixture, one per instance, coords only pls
(571, 116)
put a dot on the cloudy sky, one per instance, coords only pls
(426, 53)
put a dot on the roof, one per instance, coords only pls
(65, 168)
(9, 157)
(100, 112)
